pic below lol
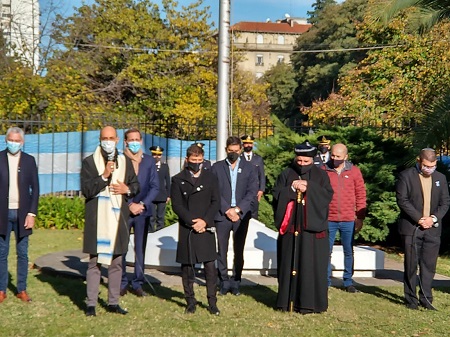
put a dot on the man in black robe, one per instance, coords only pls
(302, 194)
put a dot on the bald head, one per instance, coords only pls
(108, 133)
(339, 155)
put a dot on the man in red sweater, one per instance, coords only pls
(347, 208)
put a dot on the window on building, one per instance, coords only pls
(280, 39)
(259, 60)
(259, 38)
(280, 59)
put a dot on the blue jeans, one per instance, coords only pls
(346, 230)
(22, 254)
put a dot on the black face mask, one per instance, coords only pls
(301, 169)
(337, 162)
(248, 148)
(323, 149)
(194, 167)
(232, 157)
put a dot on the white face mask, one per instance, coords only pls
(108, 145)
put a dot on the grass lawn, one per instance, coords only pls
(58, 309)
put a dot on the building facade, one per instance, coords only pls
(19, 22)
(264, 44)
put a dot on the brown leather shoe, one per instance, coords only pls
(2, 296)
(24, 296)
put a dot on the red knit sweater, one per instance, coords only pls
(349, 198)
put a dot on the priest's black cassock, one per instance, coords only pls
(308, 290)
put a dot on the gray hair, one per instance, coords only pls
(15, 129)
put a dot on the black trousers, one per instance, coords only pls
(158, 215)
(223, 230)
(420, 249)
(188, 279)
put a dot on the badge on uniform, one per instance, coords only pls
(438, 183)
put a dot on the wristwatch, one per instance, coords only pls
(237, 210)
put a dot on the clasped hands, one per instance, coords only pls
(426, 222)
(199, 225)
(232, 215)
(300, 185)
(136, 208)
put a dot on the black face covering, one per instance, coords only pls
(301, 169)
(232, 157)
(337, 162)
(323, 149)
(194, 167)
(248, 148)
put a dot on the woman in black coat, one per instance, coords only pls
(196, 200)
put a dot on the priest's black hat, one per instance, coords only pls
(305, 149)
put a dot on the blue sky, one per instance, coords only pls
(241, 10)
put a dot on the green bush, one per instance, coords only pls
(60, 212)
(379, 159)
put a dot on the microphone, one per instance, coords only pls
(211, 229)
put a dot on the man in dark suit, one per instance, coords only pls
(256, 160)
(19, 198)
(238, 182)
(196, 200)
(108, 183)
(423, 198)
(140, 208)
(163, 197)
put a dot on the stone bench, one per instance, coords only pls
(367, 261)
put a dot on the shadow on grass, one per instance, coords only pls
(165, 293)
(261, 294)
(382, 293)
(11, 286)
(71, 287)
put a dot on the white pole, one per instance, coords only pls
(223, 78)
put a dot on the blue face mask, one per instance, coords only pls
(13, 147)
(134, 146)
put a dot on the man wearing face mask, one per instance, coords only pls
(238, 181)
(323, 154)
(140, 208)
(196, 200)
(423, 198)
(256, 160)
(347, 208)
(19, 198)
(108, 182)
(301, 197)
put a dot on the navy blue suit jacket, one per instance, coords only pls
(246, 187)
(28, 191)
(148, 182)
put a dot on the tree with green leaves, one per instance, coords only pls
(281, 86)
(318, 58)
(318, 7)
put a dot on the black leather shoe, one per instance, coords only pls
(412, 306)
(351, 289)
(190, 309)
(235, 291)
(139, 292)
(90, 311)
(224, 291)
(214, 310)
(428, 306)
(116, 309)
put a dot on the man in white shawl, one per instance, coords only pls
(108, 182)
